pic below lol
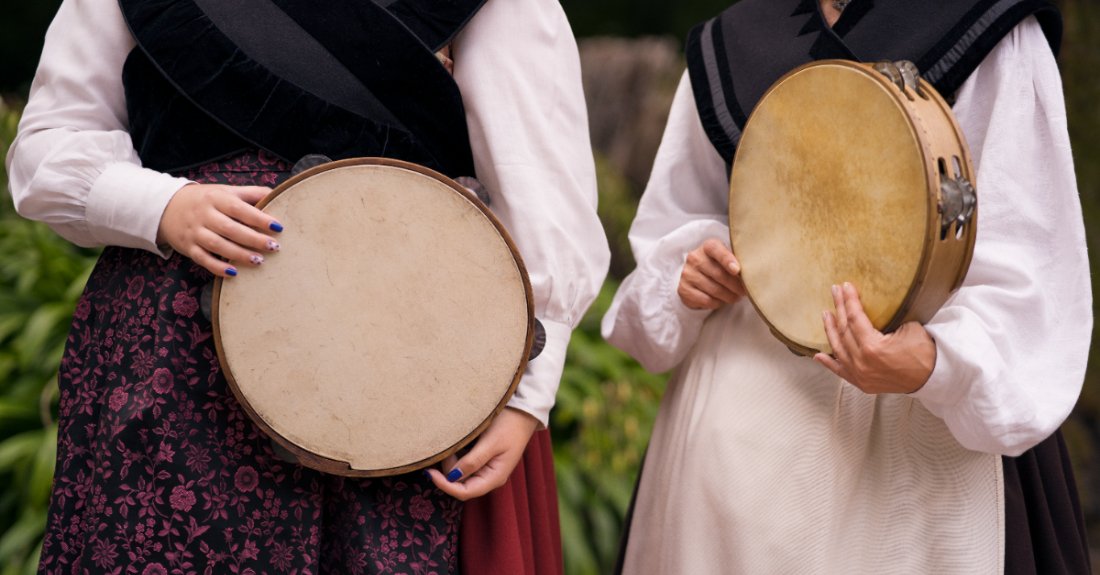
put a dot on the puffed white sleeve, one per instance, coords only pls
(1012, 343)
(685, 204)
(519, 71)
(72, 164)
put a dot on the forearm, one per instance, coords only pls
(73, 164)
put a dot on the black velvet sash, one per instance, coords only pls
(343, 78)
(735, 57)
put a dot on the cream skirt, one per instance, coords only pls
(765, 462)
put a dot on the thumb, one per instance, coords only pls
(470, 463)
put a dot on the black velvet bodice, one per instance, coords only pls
(343, 78)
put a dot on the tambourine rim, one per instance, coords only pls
(903, 313)
(336, 467)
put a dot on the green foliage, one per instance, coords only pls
(618, 205)
(605, 410)
(41, 277)
(1078, 61)
(601, 424)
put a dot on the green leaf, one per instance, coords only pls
(30, 567)
(41, 481)
(41, 325)
(27, 530)
(10, 410)
(579, 556)
(18, 448)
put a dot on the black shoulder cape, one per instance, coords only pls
(342, 78)
(736, 56)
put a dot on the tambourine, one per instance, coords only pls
(857, 173)
(391, 329)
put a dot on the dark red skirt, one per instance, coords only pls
(514, 530)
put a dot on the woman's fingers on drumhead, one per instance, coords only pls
(240, 210)
(841, 314)
(833, 334)
(858, 322)
(732, 283)
(211, 263)
(245, 236)
(722, 255)
(216, 244)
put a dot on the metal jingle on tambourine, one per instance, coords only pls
(903, 73)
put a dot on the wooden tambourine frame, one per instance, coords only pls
(333, 466)
(943, 262)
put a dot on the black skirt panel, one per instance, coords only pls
(1044, 525)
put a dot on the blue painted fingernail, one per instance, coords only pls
(454, 475)
(256, 260)
(427, 474)
(276, 227)
(230, 272)
(273, 246)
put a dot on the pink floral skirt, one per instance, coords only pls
(159, 471)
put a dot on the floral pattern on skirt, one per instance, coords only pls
(159, 471)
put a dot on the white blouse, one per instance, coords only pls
(1012, 343)
(73, 165)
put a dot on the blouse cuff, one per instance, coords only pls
(126, 203)
(538, 388)
(948, 384)
(690, 318)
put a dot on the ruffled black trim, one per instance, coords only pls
(700, 87)
(1050, 20)
(944, 39)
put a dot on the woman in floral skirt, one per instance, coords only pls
(151, 129)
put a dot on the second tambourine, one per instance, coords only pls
(855, 173)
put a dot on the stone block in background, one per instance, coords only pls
(629, 84)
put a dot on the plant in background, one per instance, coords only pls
(604, 414)
(601, 425)
(41, 277)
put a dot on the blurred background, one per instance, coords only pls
(632, 58)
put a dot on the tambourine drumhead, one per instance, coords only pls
(831, 184)
(394, 324)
